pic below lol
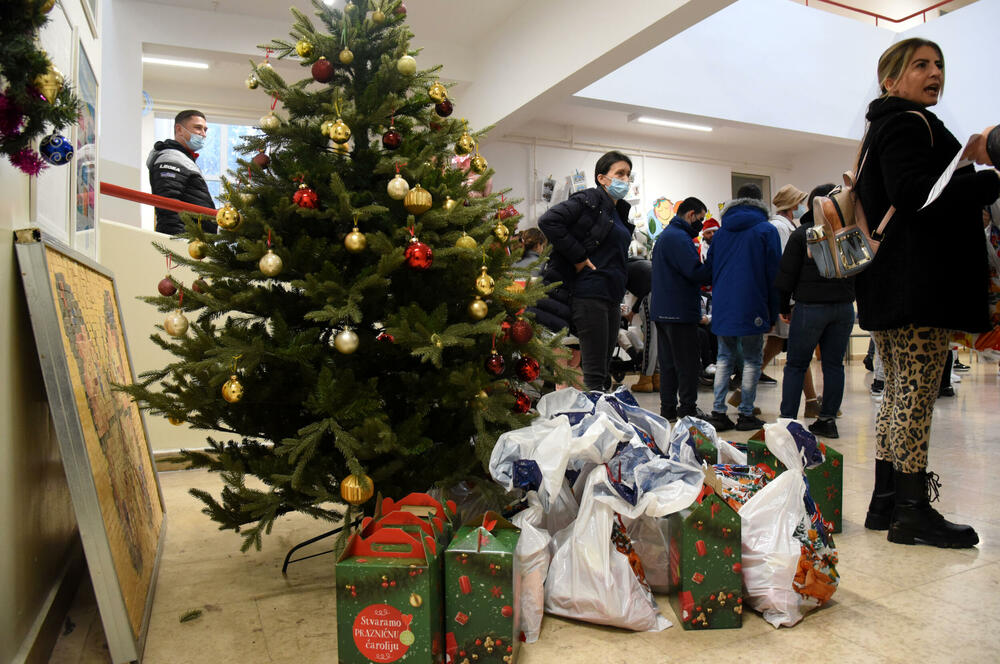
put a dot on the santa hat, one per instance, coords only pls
(709, 225)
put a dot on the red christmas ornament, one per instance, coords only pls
(418, 255)
(322, 71)
(527, 369)
(444, 108)
(521, 331)
(509, 212)
(306, 197)
(522, 404)
(166, 287)
(495, 363)
(199, 286)
(261, 160)
(385, 336)
(505, 330)
(435, 126)
(400, 9)
(392, 139)
(507, 611)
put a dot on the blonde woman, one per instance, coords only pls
(914, 292)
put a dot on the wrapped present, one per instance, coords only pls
(389, 603)
(738, 483)
(482, 592)
(705, 564)
(826, 480)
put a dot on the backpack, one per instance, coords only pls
(840, 241)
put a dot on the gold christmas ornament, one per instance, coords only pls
(378, 17)
(449, 204)
(478, 164)
(418, 200)
(326, 127)
(346, 341)
(478, 309)
(398, 187)
(47, 5)
(176, 324)
(355, 491)
(346, 57)
(436, 340)
(342, 149)
(406, 65)
(247, 197)
(176, 421)
(416, 600)
(232, 389)
(437, 92)
(270, 121)
(502, 232)
(197, 249)
(270, 264)
(340, 132)
(228, 217)
(303, 48)
(466, 242)
(252, 82)
(266, 65)
(465, 144)
(355, 241)
(484, 283)
(50, 83)
(349, 7)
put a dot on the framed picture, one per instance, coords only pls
(90, 11)
(83, 353)
(86, 157)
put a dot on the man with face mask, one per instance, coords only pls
(174, 174)
(590, 235)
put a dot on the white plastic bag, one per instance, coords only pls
(533, 558)
(780, 536)
(589, 579)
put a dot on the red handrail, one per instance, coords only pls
(127, 194)
(880, 16)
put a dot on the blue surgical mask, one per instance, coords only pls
(800, 210)
(195, 141)
(618, 188)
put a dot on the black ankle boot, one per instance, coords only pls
(915, 521)
(883, 497)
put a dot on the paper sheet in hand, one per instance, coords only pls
(960, 161)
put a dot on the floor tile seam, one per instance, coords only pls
(263, 632)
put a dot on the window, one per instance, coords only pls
(762, 181)
(219, 154)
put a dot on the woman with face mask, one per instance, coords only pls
(920, 286)
(590, 234)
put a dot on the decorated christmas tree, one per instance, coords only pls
(357, 325)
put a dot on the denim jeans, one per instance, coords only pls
(829, 326)
(753, 356)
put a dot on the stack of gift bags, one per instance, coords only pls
(618, 504)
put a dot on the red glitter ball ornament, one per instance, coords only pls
(495, 363)
(527, 369)
(385, 336)
(508, 610)
(199, 286)
(522, 404)
(261, 160)
(392, 139)
(444, 108)
(166, 287)
(306, 197)
(418, 255)
(509, 212)
(400, 9)
(521, 331)
(322, 71)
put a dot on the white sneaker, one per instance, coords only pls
(955, 378)
(710, 370)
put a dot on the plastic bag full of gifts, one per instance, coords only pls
(614, 454)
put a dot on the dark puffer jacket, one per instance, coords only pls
(930, 269)
(173, 174)
(578, 226)
(798, 274)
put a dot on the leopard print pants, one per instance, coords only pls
(913, 358)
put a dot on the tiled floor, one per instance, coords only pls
(894, 603)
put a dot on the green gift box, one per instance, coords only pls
(706, 577)
(482, 592)
(389, 598)
(826, 481)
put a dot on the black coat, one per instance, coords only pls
(930, 269)
(799, 276)
(577, 227)
(173, 174)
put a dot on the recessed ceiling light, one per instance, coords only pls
(191, 64)
(660, 122)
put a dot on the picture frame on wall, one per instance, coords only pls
(83, 353)
(85, 201)
(90, 11)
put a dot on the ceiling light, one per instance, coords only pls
(192, 64)
(660, 122)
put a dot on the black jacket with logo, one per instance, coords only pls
(173, 174)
